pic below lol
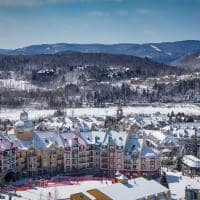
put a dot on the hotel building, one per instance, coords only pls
(39, 153)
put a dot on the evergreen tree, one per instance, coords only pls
(178, 164)
(195, 144)
(163, 180)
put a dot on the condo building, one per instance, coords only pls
(33, 153)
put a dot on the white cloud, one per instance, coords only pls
(143, 11)
(98, 13)
(40, 2)
(123, 12)
(20, 2)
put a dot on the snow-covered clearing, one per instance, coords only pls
(13, 114)
(156, 48)
(60, 192)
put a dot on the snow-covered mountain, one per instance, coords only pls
(161, 52)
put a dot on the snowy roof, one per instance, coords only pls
(134, 144)
(102, 137)
(89, 121)
(166, 150)
(191, 161)
(55, 123)
(119, 138)
(45, 139)
(187, 124)
(71, 138)
(138, 145)
(159, 138)
(23, 124)
(185, 132)
(134, 189)
(149, 152)
(92, 137)
(81, 125)
(5, 142)
(166, 128)
(122, 177)
(156, 134)
(21, 144)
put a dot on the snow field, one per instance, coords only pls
(190, 109)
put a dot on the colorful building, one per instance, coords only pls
(40, 153)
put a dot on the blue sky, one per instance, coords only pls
(26, 22)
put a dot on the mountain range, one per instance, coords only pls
(166, 52)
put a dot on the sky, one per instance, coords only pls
(28, 22)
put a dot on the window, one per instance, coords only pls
(119, 166)
(143, 161)
(152, 164)
(143, 166)
(135, 167)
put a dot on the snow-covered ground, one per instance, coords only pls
(60, 192)
(13, 114)
(177, 185)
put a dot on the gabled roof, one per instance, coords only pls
(133, 144)
(22, 145)
(149, 152)
(69, 138)
(102, 137)
(191, 161)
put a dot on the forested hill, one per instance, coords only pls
(141, 67)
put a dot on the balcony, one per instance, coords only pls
(104, 147)
(119, 148)
(104, 155)
(104, 160)
(104, 166)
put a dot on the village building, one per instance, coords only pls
(8, 152)
(191, 165)
(192, 192)
(103, 152)
(157, 139)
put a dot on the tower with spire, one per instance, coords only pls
(24, 128)
(119, 112)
